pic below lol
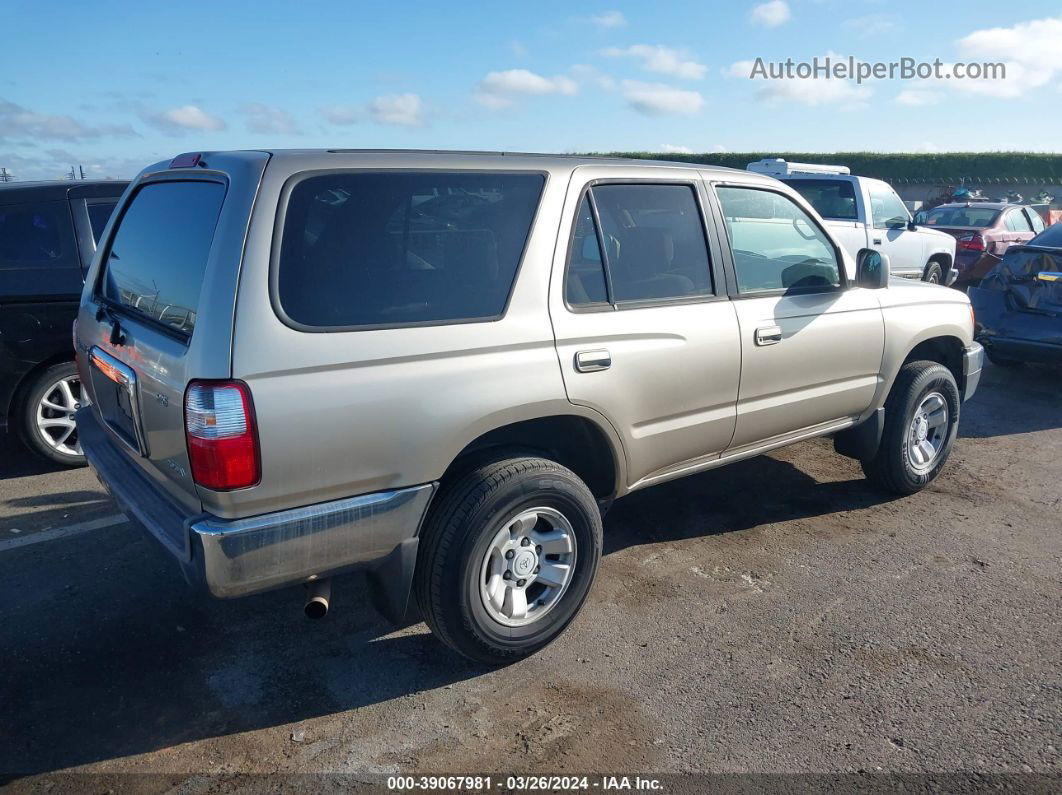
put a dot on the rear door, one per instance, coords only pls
(158, 307)
(644, 331)
(811, 343)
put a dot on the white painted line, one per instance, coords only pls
(55, 533)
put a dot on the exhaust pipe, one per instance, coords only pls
(318, 594)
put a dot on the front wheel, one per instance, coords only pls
(921, 422)
(507, 557)
(933, 273)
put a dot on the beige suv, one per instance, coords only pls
(440, 368)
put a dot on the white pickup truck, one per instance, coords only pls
(866, 213)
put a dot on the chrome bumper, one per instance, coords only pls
(242, 556)
(377, 532)
(973, 360)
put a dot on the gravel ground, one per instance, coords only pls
(776, 616)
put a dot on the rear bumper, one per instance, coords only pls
(375, 532)
(973, 361)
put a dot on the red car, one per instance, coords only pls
(985, 230)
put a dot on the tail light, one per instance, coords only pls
(222, 438)
(972, 243)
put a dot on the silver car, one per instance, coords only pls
(440, 368)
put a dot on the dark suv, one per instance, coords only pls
(48, 234)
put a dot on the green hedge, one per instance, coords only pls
(951, 167)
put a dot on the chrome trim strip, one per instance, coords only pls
(245, 556)
(124, 376)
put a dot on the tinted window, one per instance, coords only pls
(1052, 236)
(1035, 219)
(654, 241)
(586, 269)
(886, 208)
(977, 217)
(390, 248)
(831, 198)
(159, 251)
(36, 234)
(776, 245)
(99, 213)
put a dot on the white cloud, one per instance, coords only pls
(262, 118)
(342, 114)
(609, 19)
(594, 76)
(658, 58)
(656, 99)
(16, 120)
(673, 149)
(917, 97)
(183, 118)
(56, 163)
(404, 110)
(771, 14)
(871, 25)
(1029, 50)
(502, 89)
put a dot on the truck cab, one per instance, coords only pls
(867, 213)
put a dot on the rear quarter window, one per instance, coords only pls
(36, 235)
(154, 268)
(378, 249)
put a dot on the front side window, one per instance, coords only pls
(831, 198)
(397, 248)
(35, 234)
(654, 240)
(886, 208)
(776, 245)
(159, 252)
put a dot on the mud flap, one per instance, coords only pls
(391, 582)
(861, 441)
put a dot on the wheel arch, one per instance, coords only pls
(25, 382)
(945, 261)
(587, 446)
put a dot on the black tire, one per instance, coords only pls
(32, 395)
(455, 539)
(1002, 361)
(891, 469)
(934, 274)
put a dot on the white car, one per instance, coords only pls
(866, 213)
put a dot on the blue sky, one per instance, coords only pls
(134, 82)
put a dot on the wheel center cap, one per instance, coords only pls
(922, 430)
(524, 562)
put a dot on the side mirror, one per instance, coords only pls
(872, 269)
(1049, 276)
(912, 225)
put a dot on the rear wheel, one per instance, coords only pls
(507, 558)
(921, 422)
(47, 415)
(933, 273)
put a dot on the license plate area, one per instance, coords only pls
(117, 398)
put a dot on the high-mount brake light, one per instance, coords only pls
(187, 160)
(219, 426)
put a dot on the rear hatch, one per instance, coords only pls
(157, 310)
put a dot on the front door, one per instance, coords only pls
(890, 235)
(644, 330)
(811, 344)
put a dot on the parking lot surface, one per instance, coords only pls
(773, 616)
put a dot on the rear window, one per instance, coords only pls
(831, 198)
(979, 217)
(159, 251)
(399, 248)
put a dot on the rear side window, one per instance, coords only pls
(99, 213)
(399, 248)
(654, 241)
(159, 252)
(36, 234)
(1035, 219)
(1017, 222)
(831, 198)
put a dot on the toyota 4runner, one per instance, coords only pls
(440, 368)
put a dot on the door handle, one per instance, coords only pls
(768, 335)
(877, 241)
(591, 361)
